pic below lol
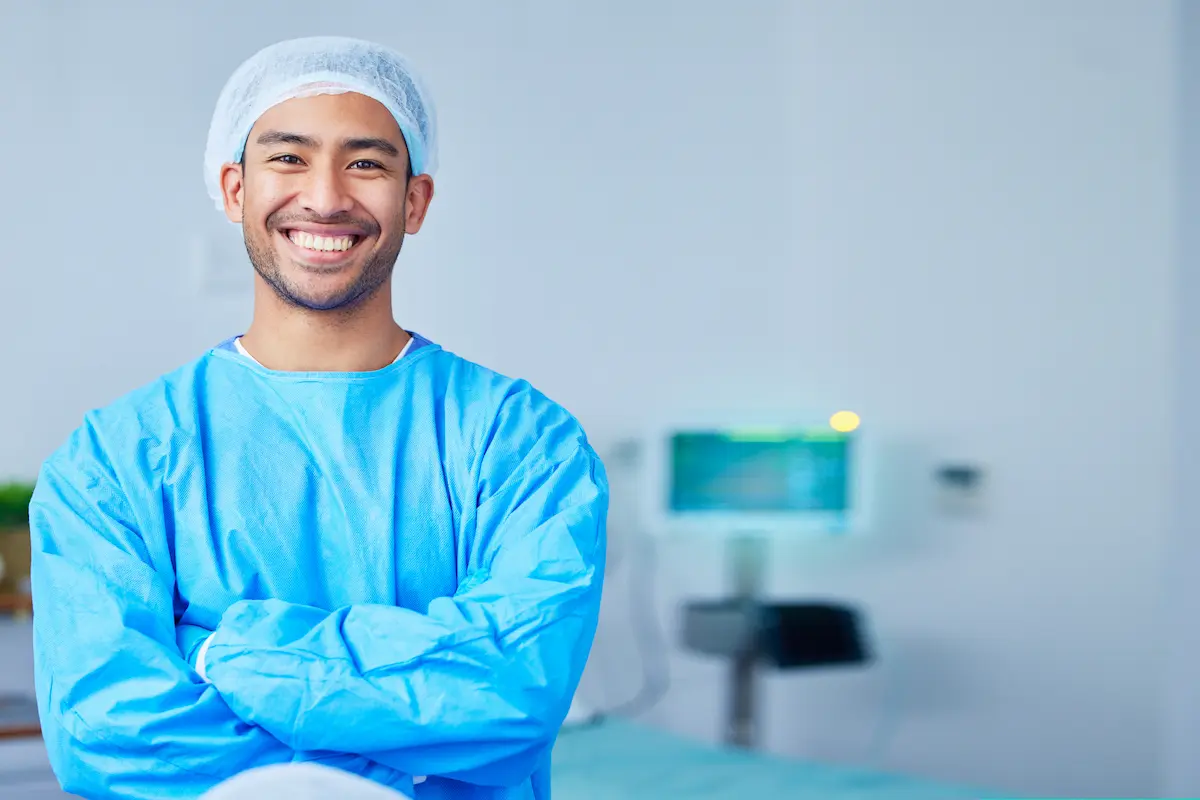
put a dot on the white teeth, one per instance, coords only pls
(322, 243)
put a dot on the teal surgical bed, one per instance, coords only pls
(620, 760)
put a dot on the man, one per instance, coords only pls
(328, 541)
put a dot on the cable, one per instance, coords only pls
(637, 550)
(650, 639)
(625, 460)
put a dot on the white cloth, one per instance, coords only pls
(300, 781)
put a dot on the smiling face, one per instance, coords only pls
(325, 198)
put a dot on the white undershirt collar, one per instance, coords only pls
(241, 348)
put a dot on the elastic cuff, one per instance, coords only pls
(201, 667)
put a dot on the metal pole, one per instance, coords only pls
(747, 559)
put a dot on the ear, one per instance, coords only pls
(233, 191)
(419, 196)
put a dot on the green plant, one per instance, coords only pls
(14, 504)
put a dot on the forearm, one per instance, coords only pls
(431, 697)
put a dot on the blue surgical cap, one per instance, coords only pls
(319, 65)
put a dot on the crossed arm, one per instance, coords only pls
(473, 690)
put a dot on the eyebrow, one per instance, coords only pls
(371, 143)
(268, 138)
(283, 137)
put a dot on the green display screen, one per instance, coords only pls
(750, 472)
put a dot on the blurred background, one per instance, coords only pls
(967, 221)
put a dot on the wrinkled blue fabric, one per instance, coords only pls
(401, 572)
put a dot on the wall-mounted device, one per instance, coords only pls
(960, 488)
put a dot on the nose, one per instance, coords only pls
(324, 192)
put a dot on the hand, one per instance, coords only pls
(190, 638)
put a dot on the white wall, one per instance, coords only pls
(996, 180)
(955, 217)
(1182, 695)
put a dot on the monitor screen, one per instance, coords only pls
(782, 472)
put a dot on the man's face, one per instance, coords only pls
(324, 199)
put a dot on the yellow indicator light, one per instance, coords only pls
(844, 421)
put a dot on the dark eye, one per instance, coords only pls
(287, 159)
(364, 164)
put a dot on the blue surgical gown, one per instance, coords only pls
(400, 572)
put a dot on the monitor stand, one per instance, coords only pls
(746, 555)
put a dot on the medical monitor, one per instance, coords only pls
(728, 480)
